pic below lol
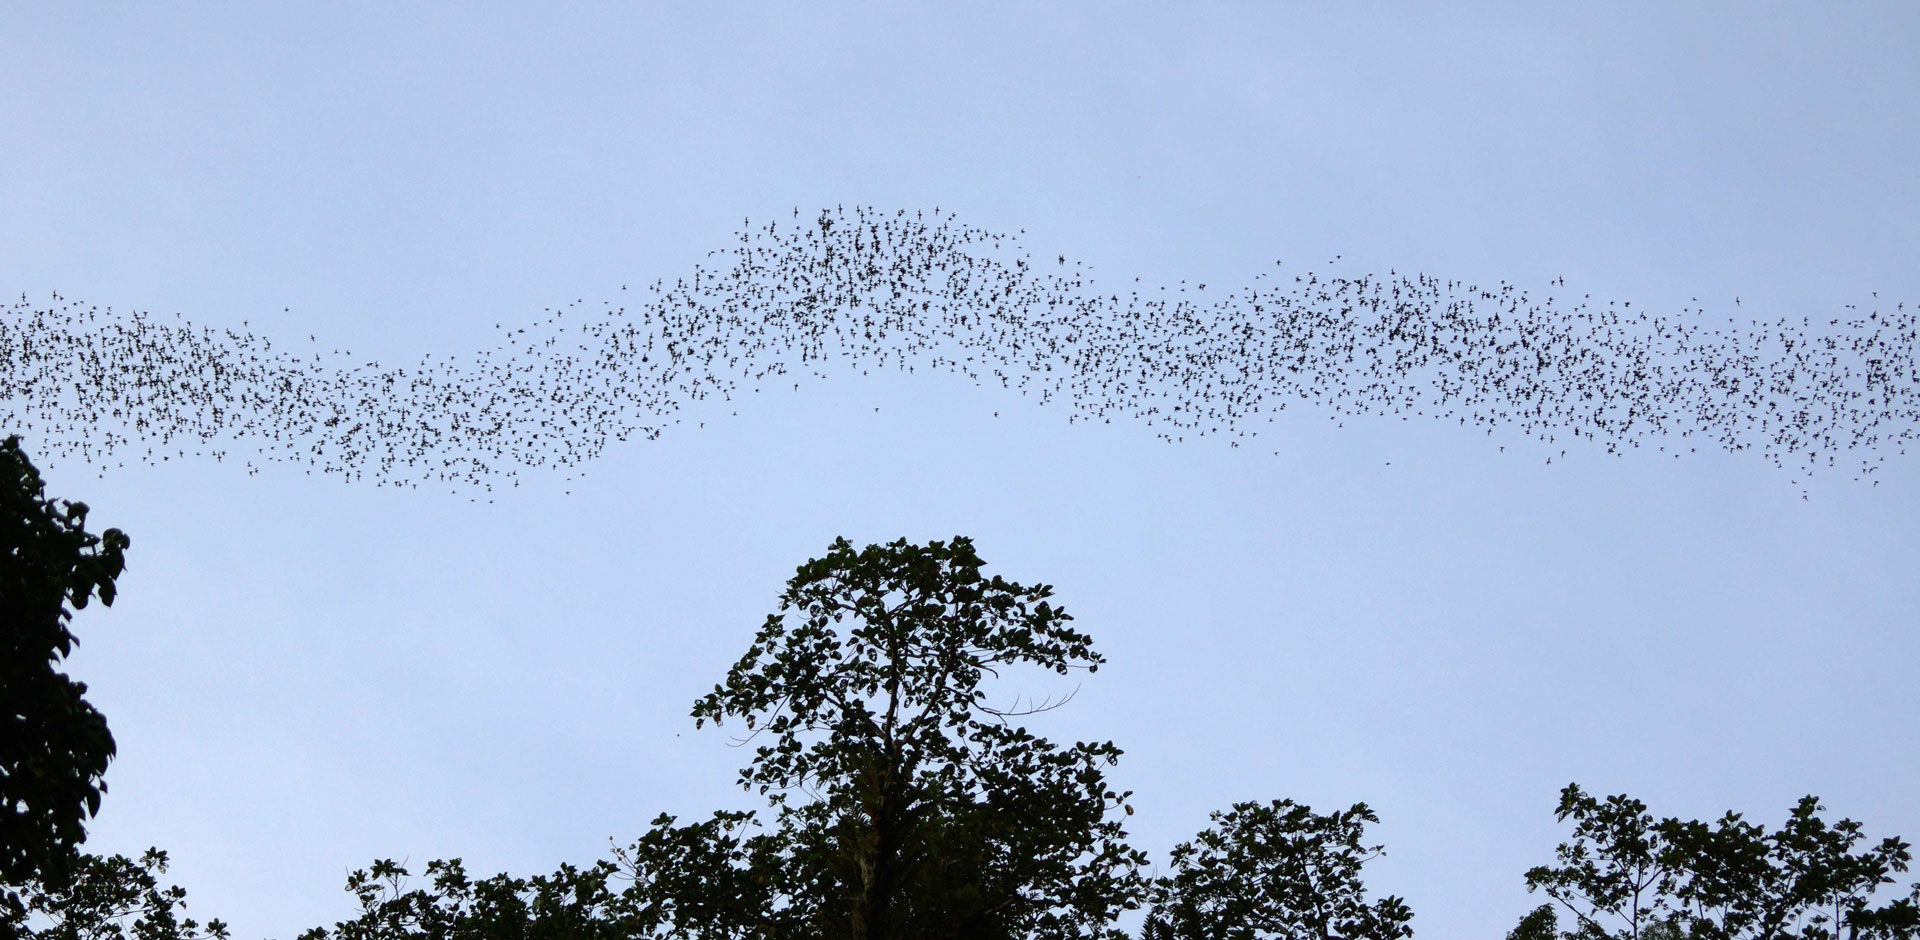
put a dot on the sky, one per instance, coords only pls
(305, 674)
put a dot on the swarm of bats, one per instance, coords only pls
(863, 289)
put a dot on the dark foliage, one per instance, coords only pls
(1626, 875)
(105, 899)
(55, 746)
(931, 814)
(1275, 871)
(903, 804)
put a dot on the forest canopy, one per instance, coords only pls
(899, 802)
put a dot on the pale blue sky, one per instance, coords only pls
(305, 675)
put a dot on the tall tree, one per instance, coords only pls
(929, 812)
(55, 746)
(904, 804)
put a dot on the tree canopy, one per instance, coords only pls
(55, 748)
(105, 898)
(902, 802)
(934, 815)
(55, 745)
(1625, 874)
(1275, 871)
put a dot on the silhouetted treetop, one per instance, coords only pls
(55, 746)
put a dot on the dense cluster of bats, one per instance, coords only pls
(915, 291)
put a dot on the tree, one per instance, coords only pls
(931, 815)
(56, 746)
(1624, 875)
(1616, 871)
(1275, 871)
(1804, 879)
(904, 804)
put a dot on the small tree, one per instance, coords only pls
(54, 746)
(1275, 871)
